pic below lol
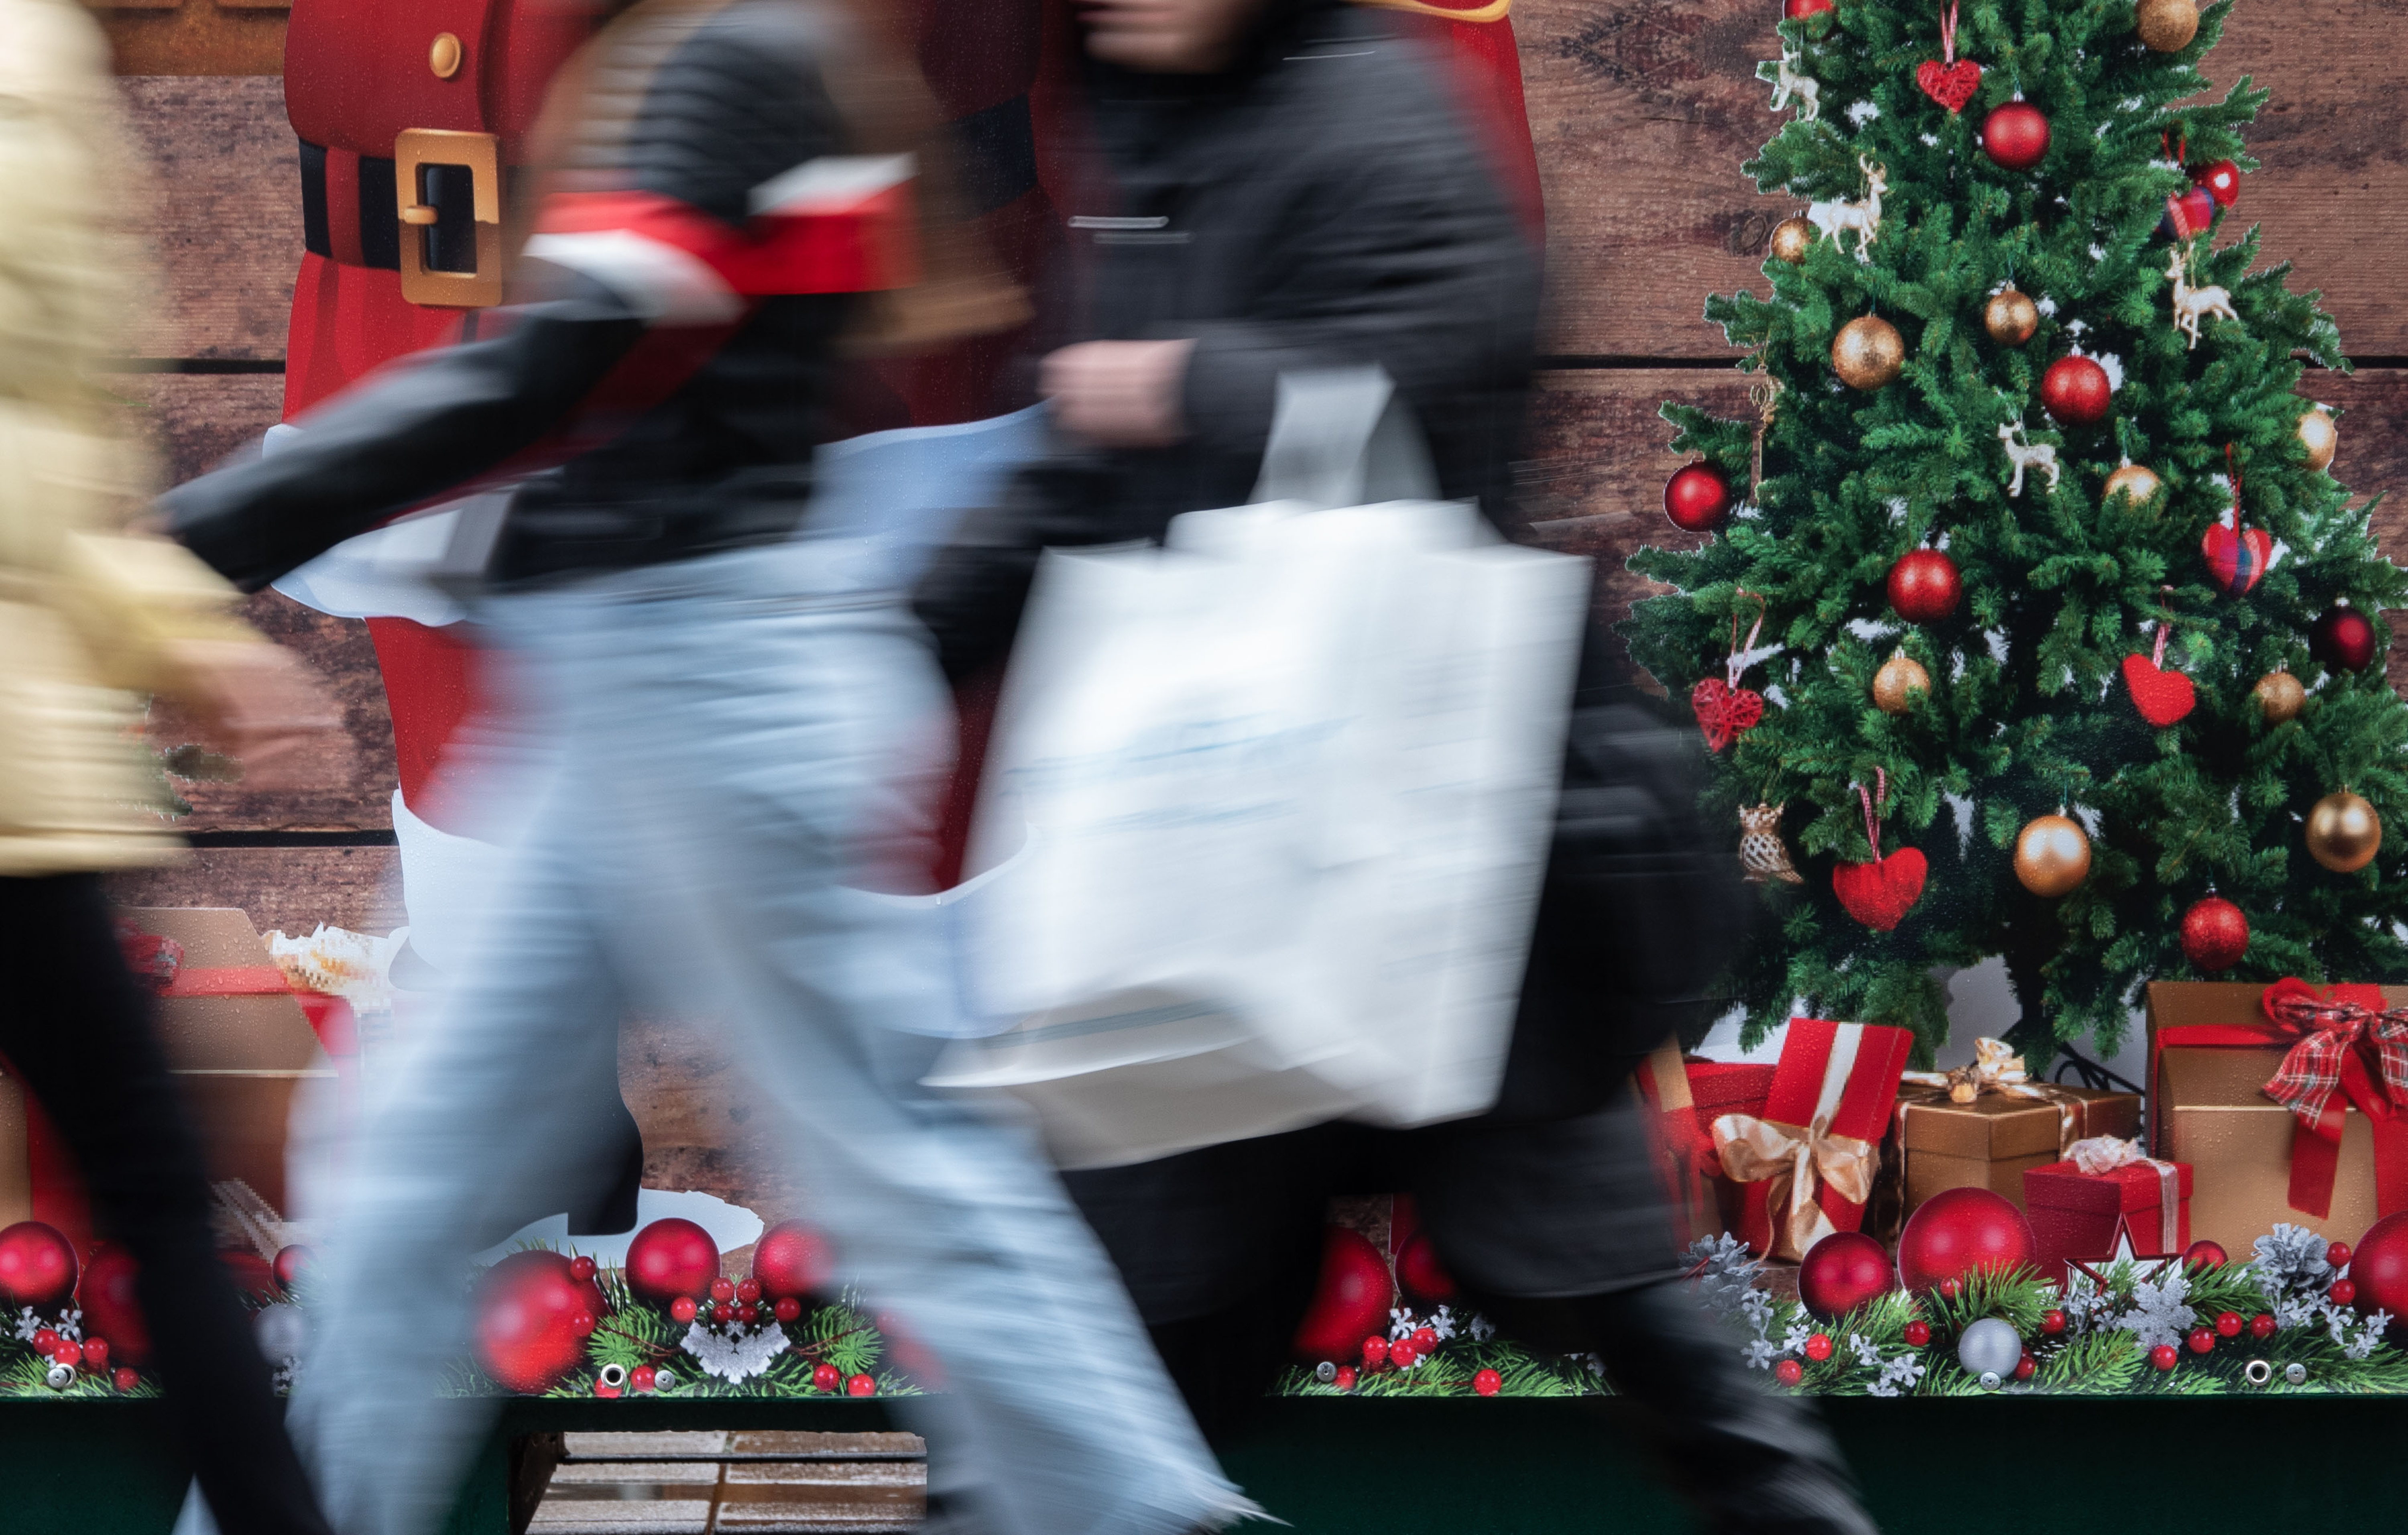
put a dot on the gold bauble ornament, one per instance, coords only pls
(2167, 26)
(1867, 352)
(1791, 239)
(2344, 832)
(2280, 696)
(1901, 676)
(2052, 855)
(2137, 481)
(2320, 436)
(2010, 316)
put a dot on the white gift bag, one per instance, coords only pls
(1276, 801)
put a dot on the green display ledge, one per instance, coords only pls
(2012, 1465)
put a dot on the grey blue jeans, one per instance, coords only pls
(737, 745)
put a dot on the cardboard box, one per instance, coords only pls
(235, 1040)
(1992, 1141)
(2211, 1111)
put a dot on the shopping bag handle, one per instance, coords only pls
(1343, 436)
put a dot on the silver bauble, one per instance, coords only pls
(1990, 1347)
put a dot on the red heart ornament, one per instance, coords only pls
(2236, 559)
(2163, 697)
(1724, 712)
(1879, 894)
(1952, 85)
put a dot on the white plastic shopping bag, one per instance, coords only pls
(1277, 799)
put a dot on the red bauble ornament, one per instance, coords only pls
(293, 1262)
(526, 1311)
(1421, 1274)
(1881, 893)
(1351, 1299)
(722, 1288)
(1842, 1272)
(2015, 134)
(1485, 1382)
(2343, 640)
(2204, 1254)
(1789, 1373)
(2214, 934)
(38, 1266)
(582, 1269)
(786, 1308)
(2076, 392)
(124, 1379)
(1916, 1333)
(2380, 1267)
(2203, 1341)
(2221, 181)
(683, 1309)
(792, 1260)
(1798, 10)
(1960, 1232)
(1924, 586)
(2164, 1357)
(110, 1310)
(2228, 1324)
(1818, 1347)
(1698, 499)
(2261, 1325)
(2337, 1255)
(2052, 1321)
(672, 1257)
(826, 1377)
(1375, 1352)
(861, 1386)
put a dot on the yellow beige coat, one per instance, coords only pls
(85, 614)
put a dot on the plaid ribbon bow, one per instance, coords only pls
(2337, 1036)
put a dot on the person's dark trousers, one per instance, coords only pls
(77, 1028)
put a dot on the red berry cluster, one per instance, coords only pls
(91, 1353)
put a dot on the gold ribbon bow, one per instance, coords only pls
(1795, 1163)
(1994, 1069)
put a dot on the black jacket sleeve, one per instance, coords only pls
(404, 436)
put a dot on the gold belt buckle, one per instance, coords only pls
(415, 151)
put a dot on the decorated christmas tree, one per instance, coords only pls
(2033, 623)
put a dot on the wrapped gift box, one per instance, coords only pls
(1992, 1141)
(2212, 1053)
(1830, 1094)
(2077, 1216)
(1687, 1095)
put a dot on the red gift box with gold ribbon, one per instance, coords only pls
(1805, 1164)
(2104, 1187)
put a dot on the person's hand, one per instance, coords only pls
(1119, 394)
(262, 704)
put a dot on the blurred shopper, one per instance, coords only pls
(88, 620)
(1281, 185)
(742, 730)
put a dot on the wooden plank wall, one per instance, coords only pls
(1642, 111)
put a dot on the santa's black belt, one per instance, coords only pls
(350, 212)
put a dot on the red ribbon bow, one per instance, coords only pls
(2349, 1050)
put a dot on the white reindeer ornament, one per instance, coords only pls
(1863, 217)
(1789, 83)
(2026, 455)
(2192, 305)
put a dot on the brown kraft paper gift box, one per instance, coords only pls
(235, 1040)
(1992, 1141)
(2211, 1110)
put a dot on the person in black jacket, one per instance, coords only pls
(743, 727)
(1281, 185)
